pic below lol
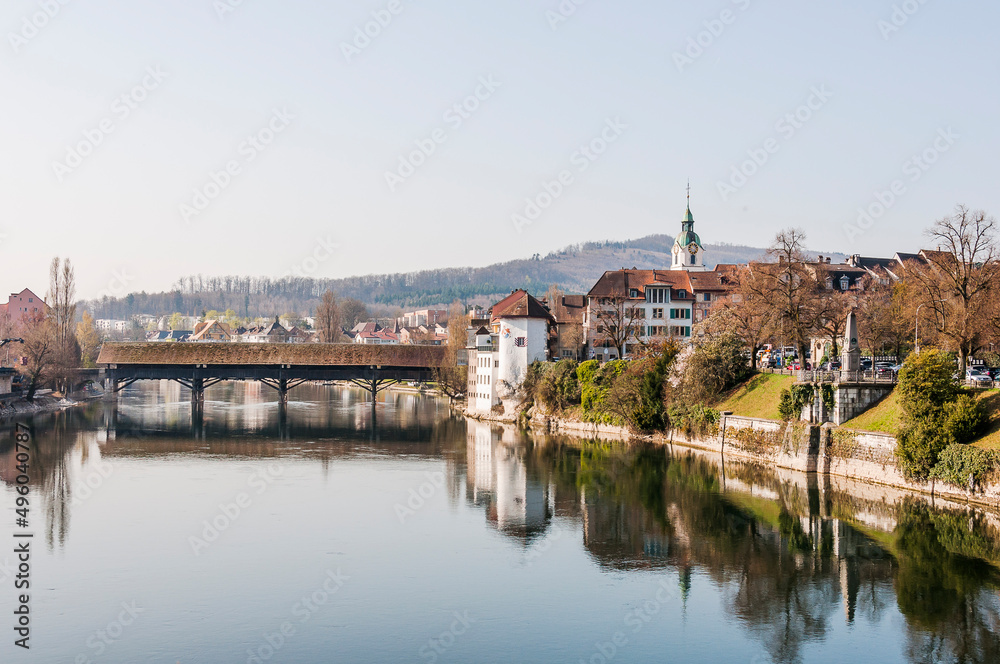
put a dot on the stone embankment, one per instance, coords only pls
(861, 456)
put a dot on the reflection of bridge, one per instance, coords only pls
(198, 366)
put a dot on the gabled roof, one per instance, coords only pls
(519, 304)
(26, 293)
(619, 283)
(569, 308)
(712, 282)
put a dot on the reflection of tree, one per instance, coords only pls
(942, 593)
(784, 566)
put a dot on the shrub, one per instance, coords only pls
(963, 418)
(935, 412)
(559, 387)
(714, 366)
(692, 420)
(786, 407)
(964, 466)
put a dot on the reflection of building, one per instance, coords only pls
(498, 479)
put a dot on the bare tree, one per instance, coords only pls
(328, 318)
(958, 282)
(793, 288)
(747, 310)
(452, 378)
(885, 322)
(39, 348)
(62, 313)
(617, 321)
(832, 308)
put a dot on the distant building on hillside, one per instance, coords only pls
(212, 330)
(423, 317)
(373, 333)
(111, 325)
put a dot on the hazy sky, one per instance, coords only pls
(119, 116)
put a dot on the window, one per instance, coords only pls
(657, 313)
(497, 365)
(708, 297)
(566, 352)
(521, 342)
(845, 282)
(829, 283)
(694, 258)
(634, 292)
(682, 294)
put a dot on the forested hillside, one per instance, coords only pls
(574, 269)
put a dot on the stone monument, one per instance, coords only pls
(851, 351)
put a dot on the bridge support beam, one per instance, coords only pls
(197, 397)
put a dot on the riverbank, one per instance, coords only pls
(859, 456)
(12, 407)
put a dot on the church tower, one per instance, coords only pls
(688, 254)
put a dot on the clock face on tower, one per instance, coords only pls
(693, 248)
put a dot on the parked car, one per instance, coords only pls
(993, 372)
(866, 364)
(886, 368)
(978, 378)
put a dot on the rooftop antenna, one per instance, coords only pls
(689, 192)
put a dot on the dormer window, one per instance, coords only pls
(682, 294)
(634, 292)
(829, 283)
(845, 282)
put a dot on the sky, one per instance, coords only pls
(150, 140)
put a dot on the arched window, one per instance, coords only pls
(694, 258)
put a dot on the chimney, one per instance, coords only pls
(821, 258)
(827, 260)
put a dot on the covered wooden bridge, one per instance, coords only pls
(198, 366)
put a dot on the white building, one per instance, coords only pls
(649, 305)
(109, 325)
(498, 362)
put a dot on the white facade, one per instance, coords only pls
(662, 313)
(499, 363)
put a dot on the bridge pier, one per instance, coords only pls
(283, 392)
(197, 399)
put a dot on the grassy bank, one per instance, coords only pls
(758, 397)
(884, 417)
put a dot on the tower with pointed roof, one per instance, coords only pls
(687, 253)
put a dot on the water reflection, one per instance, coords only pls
(791, 558)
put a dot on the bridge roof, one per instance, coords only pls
(295, 354)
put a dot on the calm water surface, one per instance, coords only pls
(257, 536)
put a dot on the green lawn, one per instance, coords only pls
(758, 397)
(883, 417)
(990, 438)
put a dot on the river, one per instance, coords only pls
(314, 536)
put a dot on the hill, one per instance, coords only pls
(574, 269)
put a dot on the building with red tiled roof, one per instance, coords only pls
(566, 339)
(373, 333)
(637, 307)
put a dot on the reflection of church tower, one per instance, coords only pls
(688, 254)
